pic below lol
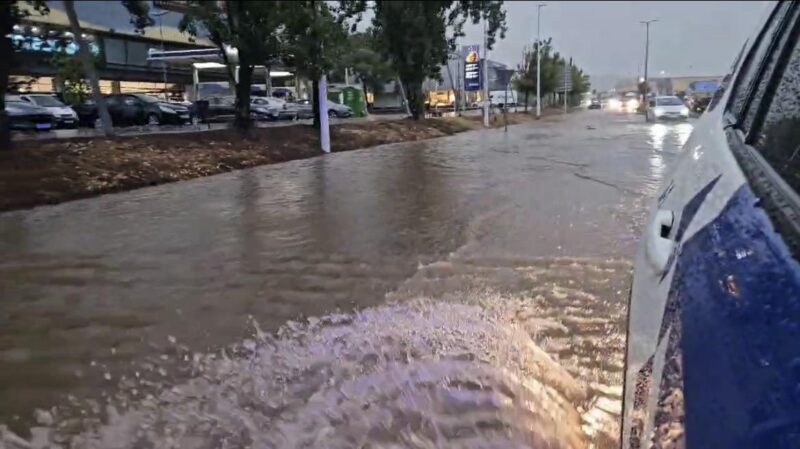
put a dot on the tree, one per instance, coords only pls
(70, 71)
(365, 60)
(526, 82)
(413, 35)
(580, 84)
(313, 34)
(87, 61)
(249, 27)
(11, 13)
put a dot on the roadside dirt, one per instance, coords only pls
(54, 171)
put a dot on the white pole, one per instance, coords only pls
(485, 63)
(538, 61)
(324, 130)
(565, 86)
(195, 82)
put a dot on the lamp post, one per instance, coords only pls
(539, 61)
(646, 57)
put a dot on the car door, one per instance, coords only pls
(114, 105)
(133, 110)
(713, 350)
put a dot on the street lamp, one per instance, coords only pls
(646, 57)
(539, 61)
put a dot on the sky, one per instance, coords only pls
(606, 39)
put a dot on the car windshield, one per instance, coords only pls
(669, 101)
(47, 101)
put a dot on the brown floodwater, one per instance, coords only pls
(467, 291)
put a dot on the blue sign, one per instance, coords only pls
(472, 67)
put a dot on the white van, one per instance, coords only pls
(498, 97)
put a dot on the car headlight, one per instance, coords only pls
(633, 104)
(166, 109)
(685, 111)
(614, 104)
(658, 112)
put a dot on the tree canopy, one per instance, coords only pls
(252, 28)
(552, 66)
(418, 36)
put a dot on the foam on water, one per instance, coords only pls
(421, 374)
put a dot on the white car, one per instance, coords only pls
(63, 115)
(713, 347)
(667, 108)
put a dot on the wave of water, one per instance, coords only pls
(463, 371)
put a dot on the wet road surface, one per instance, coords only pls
(489, 271)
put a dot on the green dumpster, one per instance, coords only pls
(354, 98)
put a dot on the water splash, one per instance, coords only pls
(422, 374)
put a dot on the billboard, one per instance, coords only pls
(472, 67)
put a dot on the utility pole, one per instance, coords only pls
(539, 61)
(646, 57)
(485, 62)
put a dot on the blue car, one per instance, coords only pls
(713, 352)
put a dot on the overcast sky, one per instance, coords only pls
(606, 38)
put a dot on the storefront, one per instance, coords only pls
(121, 54)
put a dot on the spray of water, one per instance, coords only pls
(422, 374)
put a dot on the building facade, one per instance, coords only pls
(121, 53)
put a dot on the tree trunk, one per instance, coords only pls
(85, 55)
(416, 99)
(242, 118)
(315, 102)
(268, 81)
(526, 101)
(6, 55)
(366, 103)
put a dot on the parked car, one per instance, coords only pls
(713, 348)
(87, 113)
(135, 109)
(305, 109)
(220, 108)
(270, 108)
(666, 108)
(63, 115)
(24, 116)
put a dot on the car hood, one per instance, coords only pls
(23, 109)
(58, 110)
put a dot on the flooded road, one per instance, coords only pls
(488, 271)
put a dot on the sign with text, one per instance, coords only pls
(472, 67)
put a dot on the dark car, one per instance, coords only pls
(595, 104)
(713, 348)
(139, 109)
(220, 108)
(133, 110)
(87, 113)
(27, 117)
